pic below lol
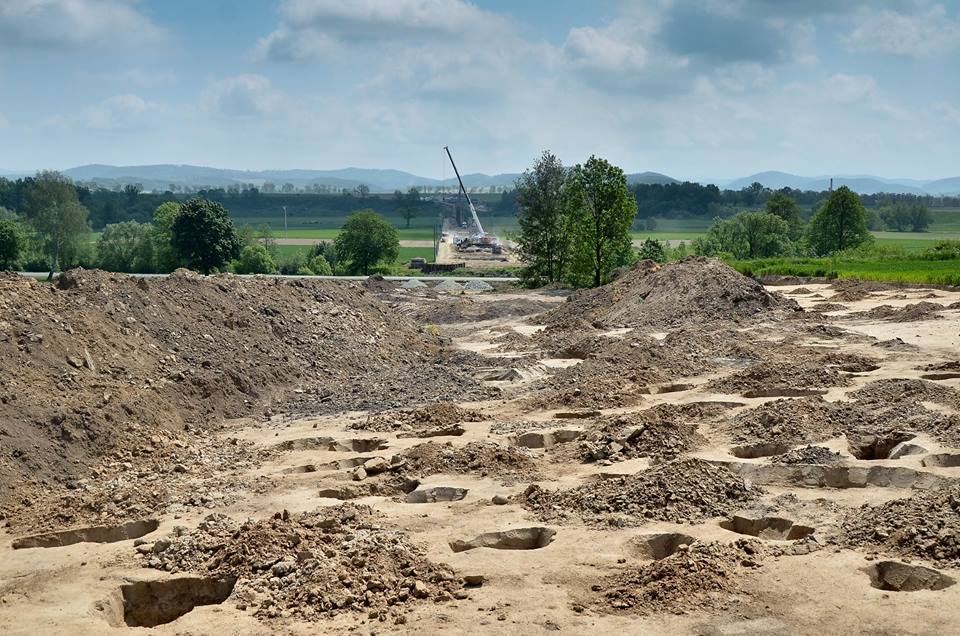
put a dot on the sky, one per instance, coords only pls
(702, 89)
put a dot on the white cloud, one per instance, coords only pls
(312, 29)
(847, 89)
(73, 23)
(242, 96)
(120, 112)
(592, 49)
(948, 111)
(926, 33)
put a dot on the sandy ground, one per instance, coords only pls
(73, 589)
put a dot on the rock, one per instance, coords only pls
(474, 580)
(359, 474)
(900, 577)
(161, 545)
(376, 465)
(500, 500)
(420, 589)
(905, 448)
(282, 569)
(74, 362)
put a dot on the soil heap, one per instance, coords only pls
(476, 458)
(696, 577)
(694, 290)
(681, 491)
(84, 359)
(431, 417)
(311, 565)
(925, 525)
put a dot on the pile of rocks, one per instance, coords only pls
(423, 419)
(680, 491)
(695, 577)
(478, 458)
(926, 525)
(309, 566)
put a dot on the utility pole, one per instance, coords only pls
(286, 234)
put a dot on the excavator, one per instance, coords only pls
(480, 239)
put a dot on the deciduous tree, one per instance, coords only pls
(203, 235)
(602, 211)
(544, 238)
(58, 218)
(839, 224)
(367, 240)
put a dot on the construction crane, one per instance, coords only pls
(481, 239)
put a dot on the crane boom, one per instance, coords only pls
(473, 210)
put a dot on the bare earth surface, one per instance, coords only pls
(682, 452)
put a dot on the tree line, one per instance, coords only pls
(51, 231)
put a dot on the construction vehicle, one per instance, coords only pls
(478, 240)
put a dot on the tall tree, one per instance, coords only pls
(203, 235)
(12, 243)
(410, 205)
(787, 209)
(602, 211)
(126, 247)
(544, 239)
(57, 216)
(366, 240)
(839, 224)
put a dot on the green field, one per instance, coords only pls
(406, 253)
(903, 270)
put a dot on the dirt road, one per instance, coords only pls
(721, 470)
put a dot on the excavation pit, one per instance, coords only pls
(874, 447)
(152, 603)
(98, 534)
(894, 576)
(942, 460)
(755, 451)
(782, 392)
(771, 528)
(299, 470)
(436, 495)
(534, 439)
(952, 375)
(660, 546)
(519, 539)
(358, 445)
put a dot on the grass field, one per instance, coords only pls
(903, 270)
(406, 253)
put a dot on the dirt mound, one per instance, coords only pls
(476, 458)
(447, 310)
(694, 290)
(772, 379)
(925, 525)
(663, 433)
(83, 358)
(683, 490)
(911, 313)
(851, 290)
(808, 455)
(695, 577)
(907, 391)
(423, 418)
(311, 565)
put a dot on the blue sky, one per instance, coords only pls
(708, 89)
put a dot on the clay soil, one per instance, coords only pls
(683, 451)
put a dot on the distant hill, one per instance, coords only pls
(159, 177)
(863, 184)
(649, 178)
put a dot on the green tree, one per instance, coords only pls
(901, 217)
(544, 238)
(409, 204)
(328, 251)
(746, 235)
(60, 221)
(602, 211)
(839, 224)
(165, 257)
(787, 209)
(652, 250)
(254, 259)
(203, 235)
(12, 243)
(367, 239)
(320, 266)
(126, 247)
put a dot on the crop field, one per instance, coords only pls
(904, 271)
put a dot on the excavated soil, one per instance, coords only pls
(681, 451)
(678, 491)
(694, 290)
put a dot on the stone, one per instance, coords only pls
(500, 500)
(900, 577)
(904, 449)
(359, 474)
(376, 465)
